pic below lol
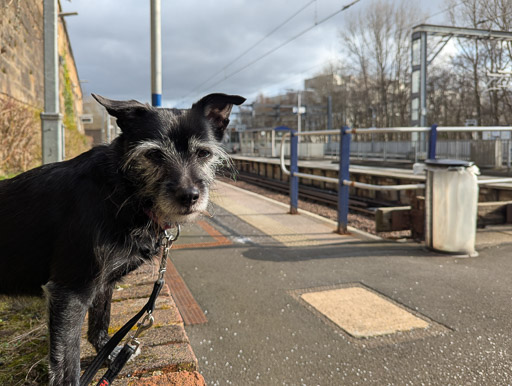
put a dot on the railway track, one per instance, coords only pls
(330, 198)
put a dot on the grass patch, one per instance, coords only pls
(23, 341)
(6, 176)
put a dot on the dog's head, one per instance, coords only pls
(171, 156)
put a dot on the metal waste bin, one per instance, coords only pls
(451, 206)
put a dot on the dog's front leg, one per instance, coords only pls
(67, 309)
(99, 317)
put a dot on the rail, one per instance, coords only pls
(494, 181)
(344, 182)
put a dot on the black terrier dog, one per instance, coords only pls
(73, 229)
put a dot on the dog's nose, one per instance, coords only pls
(188, 196)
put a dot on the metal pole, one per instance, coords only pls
(51, 119)
(432, 142)
(343, 190)
(509, 148)
(107, 128)
(273, 140)
(423, 89)
(299, 120)
(156, 54)
(104, 126)
(329, 121)
(329, 112)
(294, 168)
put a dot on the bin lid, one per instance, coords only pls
(449, 163)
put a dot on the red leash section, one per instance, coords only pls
(117, 365)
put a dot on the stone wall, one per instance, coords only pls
(21, 58)
(21, 51)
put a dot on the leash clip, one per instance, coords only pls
(142, 326)
(167, 240)
(172, 237)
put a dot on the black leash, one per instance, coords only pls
(133, 344)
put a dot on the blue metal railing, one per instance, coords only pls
(343, 181)
(344, 174)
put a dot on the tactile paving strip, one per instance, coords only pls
(187, 305)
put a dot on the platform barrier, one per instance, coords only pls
(343, 181)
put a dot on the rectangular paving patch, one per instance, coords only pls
(363, 313)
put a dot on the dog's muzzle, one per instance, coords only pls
(164, 225)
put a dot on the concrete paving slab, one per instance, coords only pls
(132, 306)
(493, 235)
(259, 331)
(182, 378)
(273, 219)
(151, 360)
(163, 317)
(362, 313)
(128, 291)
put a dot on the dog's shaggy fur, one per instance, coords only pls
(73, 229)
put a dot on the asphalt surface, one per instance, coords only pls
(259, 332)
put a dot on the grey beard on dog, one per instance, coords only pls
(73, 229)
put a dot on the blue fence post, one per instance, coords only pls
(432, 141)
(294, 168)
(343, 174)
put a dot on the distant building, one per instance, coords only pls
(281, 110)
(97, 123)
(320, 86)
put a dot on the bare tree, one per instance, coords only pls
(498, 16)
(484, 59)
(378, 38)
(470, 13)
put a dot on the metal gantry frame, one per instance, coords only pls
(343, 181)
(498, 80)
(420, 61)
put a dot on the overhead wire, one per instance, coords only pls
(267, 53)
(407, 27)
(274, 49)
(285, 43)
(257, 43)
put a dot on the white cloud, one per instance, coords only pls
(111, 44)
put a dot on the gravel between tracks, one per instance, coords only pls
(357, 221)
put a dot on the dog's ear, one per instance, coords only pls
(128, 113)
(216, 108)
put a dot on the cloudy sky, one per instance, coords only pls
(202, 41)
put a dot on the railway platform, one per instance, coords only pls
(270, 298)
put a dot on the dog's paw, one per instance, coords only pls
(117, 350)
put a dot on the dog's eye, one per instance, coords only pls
(154, 155)
(203, 153)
